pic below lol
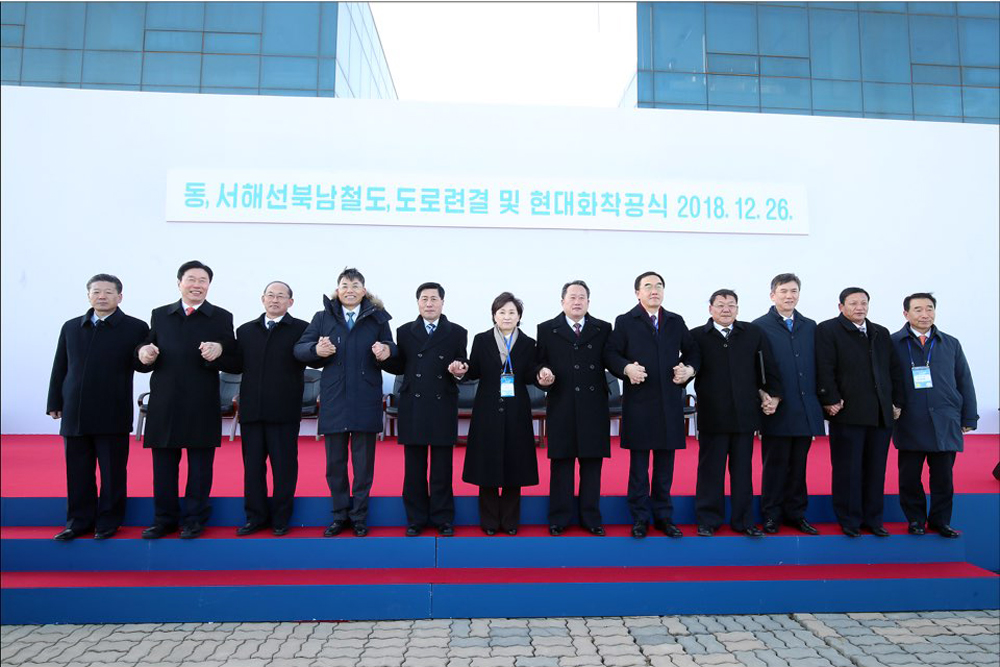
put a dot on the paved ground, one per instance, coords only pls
(798, 640)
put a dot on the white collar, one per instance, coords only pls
(570, 322)
(719, 327)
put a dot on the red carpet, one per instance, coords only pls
(33, 466)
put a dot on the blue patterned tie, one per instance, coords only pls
(431, 328)
(350, 321)
(789, 324)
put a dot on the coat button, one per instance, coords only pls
(589, 346)
(501, 409)
(416, 396)
(591, 387)
(418, 375)
(576, 366)
(592, 367)
(577, 388)
(725, 345)
(420, 355)
(439, 377)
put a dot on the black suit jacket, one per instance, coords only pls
(577, 418)
(863, 371)
(184, 408)
(653, 411)
(730, 376)
(91, 381)
(428, 397)
(271, 389)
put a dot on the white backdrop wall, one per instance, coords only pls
(894, 207)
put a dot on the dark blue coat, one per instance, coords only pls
(933, 418)
(653, 411)
(351, 384)
(799, 414)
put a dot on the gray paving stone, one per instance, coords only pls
(834, 657)
(711, 624)
(555, 651)
(749, 659)
(510, 632)
(624, 661)
(577, 661)
(796, 654)
(493, 662)
(771, 659)
(692, 646)
(536, 661)
(549, 631)
(940, 658)
(425, 652)
(711, 644)
(509, 622)
(770, 640)
(662, 649)
(511, 641)
(431, 661)
(512, 651)
(461, 642)
(693, 625)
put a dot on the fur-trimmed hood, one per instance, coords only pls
(371, 305)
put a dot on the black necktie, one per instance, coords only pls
(270, 324)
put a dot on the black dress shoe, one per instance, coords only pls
(670, 530)
(639, 529)
(192, 531)
(68, 534)
(490, 531)
(360, 529)
(555, 530)
(803, 526)
(446, 530)
(770, 526)
(105, 533)
(250, 528)
(878, 531)
(512, 531)
(752, 531)
(156, 531)
(850, 532)
(335, 528)
(413, 530)
(596, 530)
(946, 531)
(705, 531)
(280, 531)
(915, 528)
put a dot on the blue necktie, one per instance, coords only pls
(270, 324)
(350, 321)
(789, 324)
(431, 328)
(656, 326)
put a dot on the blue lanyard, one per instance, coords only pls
(930, 350)
(508, 367)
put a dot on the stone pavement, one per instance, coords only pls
(797, 640)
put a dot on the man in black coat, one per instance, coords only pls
(860, 385)
(90, 389)
(736, 382)
(189, 342)
(427, 349)
(653, 352)
(571, 369)
(270, 409)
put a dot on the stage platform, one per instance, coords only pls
(386, 575)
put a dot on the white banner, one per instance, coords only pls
(341, 198)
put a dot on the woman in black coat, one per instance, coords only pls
(501, 447)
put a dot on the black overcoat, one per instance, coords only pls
(428, 397)
(351, 384)
(652, 411)
(272, 384)
(501, 447)
(91, 381)
(183, 402)
(730, 377)
(863, 371)
(577, 418)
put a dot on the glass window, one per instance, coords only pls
(891, 98)
(212, 90)
(741, 91)
(943, 8)
(885, 6)
(175, 15)
(888, 116)
(885, 47)
(937, 119)
(341, 87)
(677, 87)
(235, 71)
(54, 65)
(981, 102)
(731, 28)
(726, 64)
(54, 25)
(12, 13)
(785, 93)
(980, 42)
(937, 100)
(786, 112)
(645, 90)
(834, 44)
(678, 35)
(986, 9)
(289, 73)
(173, 40)
(842, 114)
(784, 31)
(936, 74)
(843, 6)
(115, 26)
(110, 86)
(112, 67)
(230, 42)
(934, 39)
(836, 95)
(729, 107)
(171, 69)
(233, 16)
(291, 28)
(11, 35)
(646, 105)
(170, 89)
(784, 67)
(289, 92)
(328, 30)
(682, 106)
(981, 76)
(644, 35)
(327, 74)
(10, 65)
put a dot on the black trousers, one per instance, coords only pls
(911, 488)
(278, 442)
(858, 455)
(710, 494)
(166, 474)
(362, 446)
(561, 499)
(432, 503)
(783, 493)
(642, 490)
(84, 508)
(500, 512)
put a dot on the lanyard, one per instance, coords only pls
(508, 367)
(930, 350)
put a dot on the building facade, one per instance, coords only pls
(936, 61)
(325, 49)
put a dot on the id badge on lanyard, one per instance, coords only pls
(921, 374)
(507, 377)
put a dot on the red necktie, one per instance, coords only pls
(576, 328)
(923, 339)
(188, 310)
